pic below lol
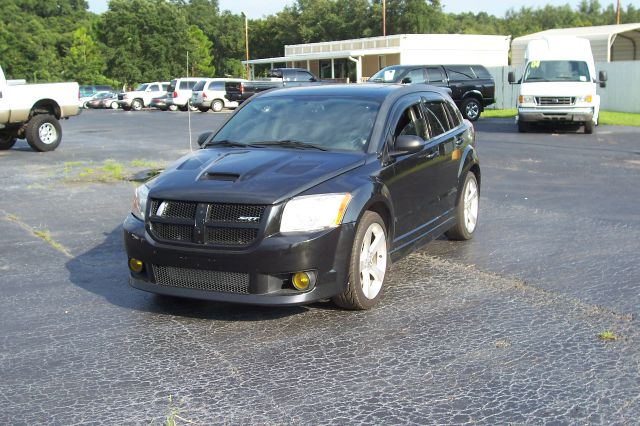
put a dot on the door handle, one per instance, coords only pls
(459, 140)
(432, 155)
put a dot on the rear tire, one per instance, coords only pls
(7, 139)
(367, 266)
(43, 132)
(471, 109)
(466, 210)
(114, 105)
(203, 109)
(217, 105)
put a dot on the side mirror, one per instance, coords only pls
(602, 76)
(511, 77)
(406, 80)
(406, 144)
(204, 138)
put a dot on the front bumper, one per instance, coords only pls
(268, 265)
(124, 102)
(574, 115)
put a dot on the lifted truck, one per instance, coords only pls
(33, 111)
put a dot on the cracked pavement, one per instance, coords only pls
(502, 329)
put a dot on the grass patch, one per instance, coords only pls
(110, 171)
(608, 336)
(609, 118)
(144, 164)
(613, 118)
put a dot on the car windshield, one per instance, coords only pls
(141, 88)
(327, 122)
(556, 71)
(386, 75)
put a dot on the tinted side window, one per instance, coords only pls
(455, 118)
(435, 75)
(191, 84)
(436, 117)
(183, 85)
(412, 122)
(165, 87)
(303, 76)
(153, 88)
(481, 72)
(216, 85)
(416, 76)
(199, 86)
(460, 72)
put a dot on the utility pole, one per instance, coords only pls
(618, 14)
(246, 40)
(384, 17)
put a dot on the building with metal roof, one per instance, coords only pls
(358, 59)
(608, 42)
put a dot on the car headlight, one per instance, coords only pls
(526, 99)
(314, 212)
(584, 99)
(140, 201)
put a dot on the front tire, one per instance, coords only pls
(471, 109)
(466, 210)
(523, 127)
(43, 132)
(217, 105)
(7, 139)
(114, 105)
(203, 109)
(136, 105)
(367, 266)
(588, 127)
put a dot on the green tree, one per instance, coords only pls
(84, 61)
(199, 48)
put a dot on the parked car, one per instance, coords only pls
(159, 102)
(559, 83)
(142, 95)
(111, 101)
(472, 87)
(179, 92)
(87, 92)
(98, 99)
(307, 193)
(277, 77)
(210, 93)
(33, 111)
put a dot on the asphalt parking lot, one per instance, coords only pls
(501, 329)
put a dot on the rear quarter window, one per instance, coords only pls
(216, 85)
(481, 72)
(460, 72)
(199, 85)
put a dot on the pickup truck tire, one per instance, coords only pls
(367, 266)
(136, 105)
(588, 127)
(43, 132)
(7, 139)
(217, 105)
(471, 109)
(523, 127)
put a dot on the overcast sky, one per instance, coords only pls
(259, 8)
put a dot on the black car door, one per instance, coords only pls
(411, 179)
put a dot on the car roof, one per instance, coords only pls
(370, 90)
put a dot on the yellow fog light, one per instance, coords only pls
(135, 265)
(301, 281)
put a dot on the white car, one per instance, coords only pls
(141, 97)
(180, 90)
(211, 94)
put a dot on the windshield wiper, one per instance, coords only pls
(226, 142)
(290, 143)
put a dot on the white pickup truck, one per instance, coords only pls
(32, 111)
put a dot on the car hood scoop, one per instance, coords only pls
(255, 176)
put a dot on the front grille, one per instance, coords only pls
(200, 279)
(231, 236)
(555, 100)
(213, 224)
(120, 96)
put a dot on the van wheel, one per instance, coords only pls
(588, 127)
(43, 132)
(217, 105)
(466, 210)
(367, 266)
(136, 105)
(471, 109)
(7, 139)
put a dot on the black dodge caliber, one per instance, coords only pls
(305, 194)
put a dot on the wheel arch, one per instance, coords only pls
(46, 106)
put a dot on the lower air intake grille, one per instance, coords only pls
(173, 232)
(231, 236)
(199, 279)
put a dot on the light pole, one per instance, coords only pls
(246, 40)
(384, 17)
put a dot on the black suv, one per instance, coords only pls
(472, 87)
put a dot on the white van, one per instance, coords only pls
(558, 83)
